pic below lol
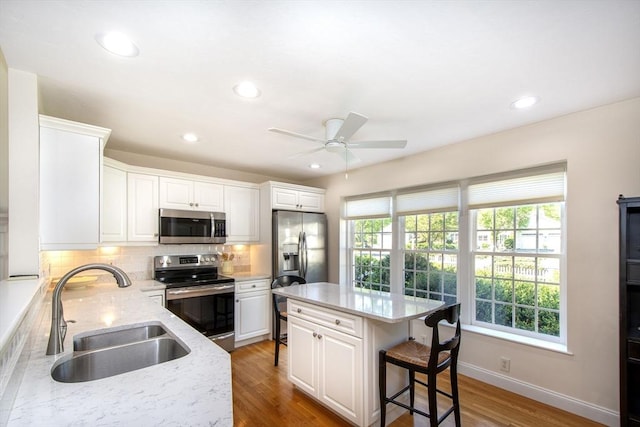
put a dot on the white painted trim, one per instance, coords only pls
(548, 397)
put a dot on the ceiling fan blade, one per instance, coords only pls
(297, 135)
(352, 123)
(378, 144)
(304, 153)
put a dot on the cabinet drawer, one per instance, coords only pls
(337, 320)
(633, 350)
(633, 272)
(252, 285)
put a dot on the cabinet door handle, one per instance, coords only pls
(253, 286)
(197, 204)
(315, 334)
(299, 310)
(237, 300)
(337, 322)
(191, 204)
(319, 336)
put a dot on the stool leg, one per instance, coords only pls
(382, 385)
(453, 372)
(412, 390)
(433, 400)
(277, 340)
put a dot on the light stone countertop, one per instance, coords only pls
(194, 390)
(246, 276)
(382, 306)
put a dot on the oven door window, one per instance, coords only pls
(211, 314)
(185, 227)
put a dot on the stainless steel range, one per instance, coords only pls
(199, 295)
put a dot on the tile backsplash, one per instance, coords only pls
(136, 261)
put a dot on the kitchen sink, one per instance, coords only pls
(112, 337)
(112, 352)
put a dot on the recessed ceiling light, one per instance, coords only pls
(246, 90)
(117, 43)
(314, 166)
(190, 137)
(525, 102)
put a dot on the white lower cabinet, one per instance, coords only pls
(253, 309)
(325, 362)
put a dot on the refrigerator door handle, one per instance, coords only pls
(301, 253)
(306, 258)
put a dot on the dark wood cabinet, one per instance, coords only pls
(629, 311)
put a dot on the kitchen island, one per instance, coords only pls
(334, 334)
(192, 390)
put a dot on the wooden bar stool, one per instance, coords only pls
(280, 309)
(429, 360)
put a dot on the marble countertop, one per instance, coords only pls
(193, 390)
(245, 276)
(382, 306)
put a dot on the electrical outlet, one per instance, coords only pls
(423, 339)
(505, 364)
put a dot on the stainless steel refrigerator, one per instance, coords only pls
(300, 245)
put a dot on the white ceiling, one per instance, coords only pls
(431, 72)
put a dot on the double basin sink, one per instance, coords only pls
(108, 352)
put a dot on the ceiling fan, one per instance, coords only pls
(338, 132)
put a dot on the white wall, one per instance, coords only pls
(24, 145)
(602, 150)
(4, 167)
(4, 137)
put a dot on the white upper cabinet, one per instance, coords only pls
(70, 169)
(178, 193)
(114, 205)
(296, 198)
(142, 207)
(242, 206)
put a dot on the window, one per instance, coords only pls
(431, 255)
(371, 253)
(370, 242)
(516, 261)
(504, 262)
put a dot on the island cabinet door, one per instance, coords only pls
(341, 367)
(302, 345)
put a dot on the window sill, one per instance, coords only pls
(532, 342)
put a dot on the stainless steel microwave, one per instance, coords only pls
(185, 227)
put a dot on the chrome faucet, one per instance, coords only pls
(58, 324)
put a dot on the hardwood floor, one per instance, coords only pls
(262, 396)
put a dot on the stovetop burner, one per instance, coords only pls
(177, 271)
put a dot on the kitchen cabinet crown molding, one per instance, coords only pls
(179, 175)
(75, 127)
(294, 187)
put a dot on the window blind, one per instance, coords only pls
(548, 187)
(375, 207)
(437, 200)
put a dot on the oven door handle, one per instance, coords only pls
(173, 294)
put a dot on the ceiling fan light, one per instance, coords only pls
(314, 166)
(525, 102)
(246, 90)
(117, 43)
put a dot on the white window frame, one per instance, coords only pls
(466, 227)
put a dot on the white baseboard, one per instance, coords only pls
(548, 397)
